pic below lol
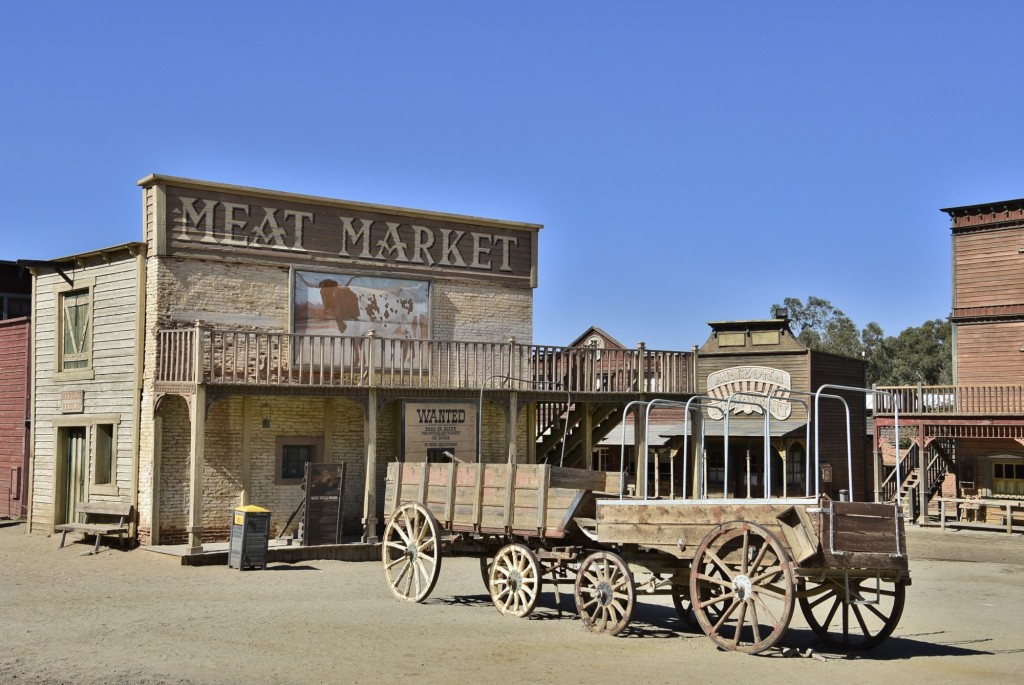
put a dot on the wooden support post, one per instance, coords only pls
(587, 427)
(195, 482)
(510, 499)
(512, 429)
(640, 448)
(449, 505)
(370, 449)
(247, 417)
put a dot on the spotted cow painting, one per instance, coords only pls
(333, 304)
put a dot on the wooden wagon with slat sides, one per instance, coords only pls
(737, 568)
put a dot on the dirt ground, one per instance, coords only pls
(138, 618)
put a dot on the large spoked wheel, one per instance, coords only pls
(857, 614)
(681, 601)
(742, 587)
(605, 593)
(515, 580)
(411, 552)
(485, 571)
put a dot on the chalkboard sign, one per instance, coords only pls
(321, 520)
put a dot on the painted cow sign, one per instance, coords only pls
(351, 306)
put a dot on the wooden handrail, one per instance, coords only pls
(937, 400)
(267, 358)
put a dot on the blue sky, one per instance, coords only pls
(690, 161)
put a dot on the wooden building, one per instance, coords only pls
(263, 330)
(966, 441)
(15, 334)
(254, 331)
(86, 379)
(764, 357)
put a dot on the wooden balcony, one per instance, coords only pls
(952, 401)
(220, 357)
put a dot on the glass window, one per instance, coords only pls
(75, 334)
(293, 453)
(1008, 479)
(715, 468)
(795, 470)
(16, 306)
(103, 464)
(293, 460)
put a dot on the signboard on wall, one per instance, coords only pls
(321, 520)
(439, 431)
(753, 383)
(351, 305)
(199, 217)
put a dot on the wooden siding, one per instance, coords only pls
(109, 395)
(988, 269)
(14, 414)
(990, 353)
(836, 370)
(794, 364)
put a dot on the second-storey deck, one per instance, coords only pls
(266, 360)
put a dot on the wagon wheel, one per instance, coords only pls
(411, 552)
(605, 593)
(859, 619)
(485, 571)
(681, 601)
(515, 580)
(742, 587)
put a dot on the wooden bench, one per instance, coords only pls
(101, 518)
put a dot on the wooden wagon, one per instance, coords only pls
(737, 568)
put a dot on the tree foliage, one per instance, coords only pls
(919, 354)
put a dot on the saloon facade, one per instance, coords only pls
(253, 331)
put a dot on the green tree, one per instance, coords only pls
(919, 354)
(821, 326)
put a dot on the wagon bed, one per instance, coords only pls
(530, 500)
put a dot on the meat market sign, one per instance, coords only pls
(197, 217)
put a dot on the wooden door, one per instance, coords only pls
(75, 470)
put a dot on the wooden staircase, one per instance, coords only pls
(940, 458)
(549, 448)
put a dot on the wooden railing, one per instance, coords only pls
(977, 400)
(260, 358)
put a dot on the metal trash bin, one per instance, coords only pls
(250, 538)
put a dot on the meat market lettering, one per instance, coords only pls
(250, 226)
(239, 225)
(370, 240)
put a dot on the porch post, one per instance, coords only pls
(195, 484)
(246, 493)
(640, 447)
(197, 448)
(370, 446)
(640, 425)
(588, 435)
(512, 431)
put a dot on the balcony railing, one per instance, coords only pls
(952, 400)
(237, 357)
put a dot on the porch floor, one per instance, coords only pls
(282, 550)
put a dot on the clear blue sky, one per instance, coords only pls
(690, 161)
